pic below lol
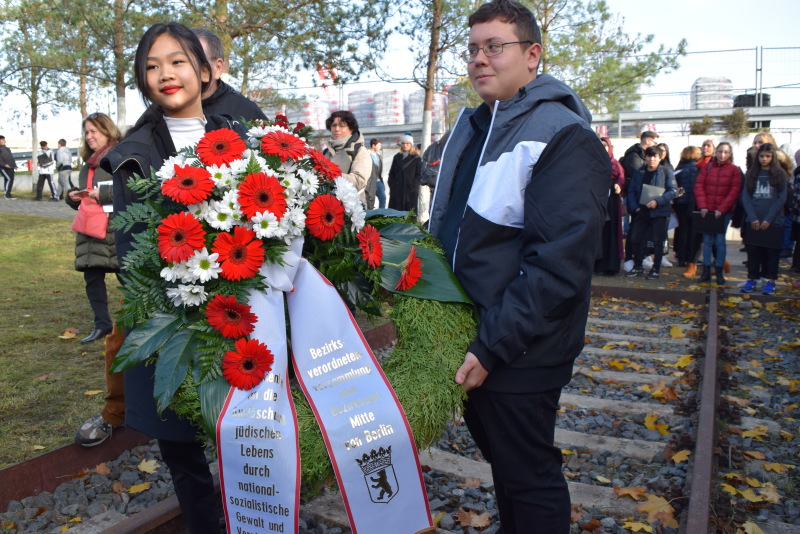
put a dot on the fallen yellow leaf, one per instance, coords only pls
(753, 482)
(730, 489)
(757, 455)
(681, 456)
(38, 448)
(770, 494)
(602, 479)
(676, 332)
(637, 527)
(788, 436)
(751, 528)
(775, 467)
(91, 392)
(750, 495)
(148, 466)
(758, 432)
(138, 488)
(635, 493)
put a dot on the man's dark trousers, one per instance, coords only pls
(515, 432)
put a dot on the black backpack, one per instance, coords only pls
(44, 159)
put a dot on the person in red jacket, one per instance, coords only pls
(717, 189)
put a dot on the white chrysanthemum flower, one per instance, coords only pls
(167, 170)
(347, 193)
(230, 202)
(358, 217)
(291, 184)
(187, 295)
(184, 274)
(169, 273)
(293, 223)
(258, 132)
(221, 174)
(218, 218)
(204, 265)
(238, 166)
(265, 225)
(199, 210)
(309, 184)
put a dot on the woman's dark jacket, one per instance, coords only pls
(686, 177)
(404, 178)
(90, 252)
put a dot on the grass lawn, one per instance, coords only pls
(44, 379)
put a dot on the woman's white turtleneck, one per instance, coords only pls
(186, 132)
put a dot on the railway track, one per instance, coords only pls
(645, 444)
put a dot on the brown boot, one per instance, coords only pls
(726, 266)
(691, 270)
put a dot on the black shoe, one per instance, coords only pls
(652, 275)
(636, 271)
(54, 199)
(720, 277)
(97, 333)
(706, 276)
(11, 197)
(37, 198)
(785, 253)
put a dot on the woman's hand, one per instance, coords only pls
(764, 225)
(703, 212)
(717, 214)
(617, 189)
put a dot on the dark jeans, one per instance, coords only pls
(98, 296)
(686, 242)
(515, 432)
(194, 485)
(645, 227)
(762, 262)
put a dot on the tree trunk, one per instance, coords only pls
(119, 67)
(430, 75)
(34, 100)
(82, 81)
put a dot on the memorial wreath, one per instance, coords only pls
(221, 219)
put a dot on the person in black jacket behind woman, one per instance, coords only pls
(404, 177)
(171, 72)
(686, 242)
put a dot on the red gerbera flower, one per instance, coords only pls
(220, 147)
(229, 317)
(260, 192)
(371, 249)
(179, 235)
(240, 254)
(325, 217)
(410, 271)
(247, 367)
(283, 145)
(324, 166)
(190, 185)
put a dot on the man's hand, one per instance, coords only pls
(471, 374)
(755, 225)
(764, 225)
(652, 204)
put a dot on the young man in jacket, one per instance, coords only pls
(7, 167)
(651, 216)
(519, 208)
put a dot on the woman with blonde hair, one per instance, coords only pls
(95, 257)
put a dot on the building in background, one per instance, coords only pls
(712, 93)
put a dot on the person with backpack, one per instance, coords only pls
(345, 148)
(64, 167)
(46, 166)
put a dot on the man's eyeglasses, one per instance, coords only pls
(491, 49)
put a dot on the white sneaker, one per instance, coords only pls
(628, 266)
(647, 263)
(665, 262)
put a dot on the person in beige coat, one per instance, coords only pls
(345, 148)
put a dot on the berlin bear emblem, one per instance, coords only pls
(379, 474)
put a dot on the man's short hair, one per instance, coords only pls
(214, 43)
(2, 136)
(373, 142)
(653, 151)
(42, 144)
(62, 142)
(346, 117)
(648, 135)
(511, 12)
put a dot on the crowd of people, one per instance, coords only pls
(699, 198)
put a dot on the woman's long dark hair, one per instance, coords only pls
(186, 39)
(777, 177)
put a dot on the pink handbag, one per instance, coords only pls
(91, 219)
